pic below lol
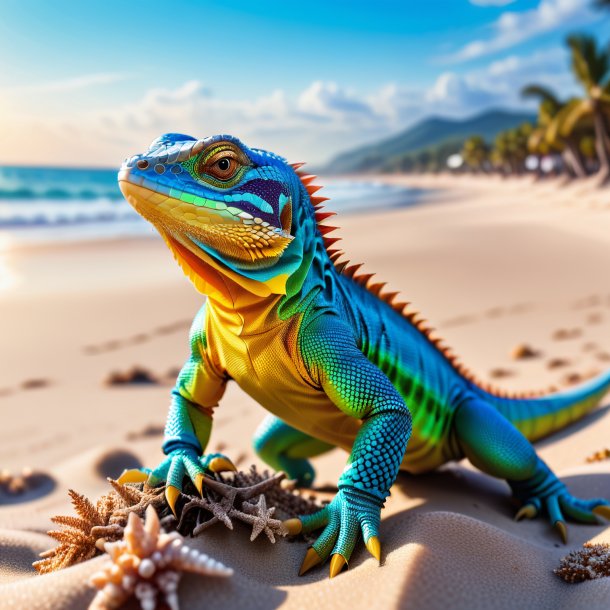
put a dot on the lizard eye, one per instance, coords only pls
(222, 165)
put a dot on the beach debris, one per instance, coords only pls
(136, 375)
(556, 363)
(251, 497)
(225, 501)
(599, 456)
(592, 562)
(523, 351)
(589, 346)
(15, 484)
(563, 334)
(77, 540)
(85, 535)
(603, 356)
(500, 373)
(148, 562)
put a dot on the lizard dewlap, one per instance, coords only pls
(332, 356)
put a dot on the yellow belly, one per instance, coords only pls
(269, 368)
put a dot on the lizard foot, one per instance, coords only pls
(172, 470)
(544, 492)
(350, 513)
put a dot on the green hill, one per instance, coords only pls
(431, 133)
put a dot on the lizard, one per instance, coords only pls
(334, 356)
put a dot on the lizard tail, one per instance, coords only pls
(538, 417)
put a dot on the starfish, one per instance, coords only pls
(224, 509)
(261, 519)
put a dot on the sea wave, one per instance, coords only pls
(49, 204)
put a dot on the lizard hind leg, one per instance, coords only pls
(285, 448)
(498, 448)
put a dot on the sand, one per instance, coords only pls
(492, 264)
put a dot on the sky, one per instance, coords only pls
(89, 83)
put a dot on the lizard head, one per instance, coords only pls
(217, 202)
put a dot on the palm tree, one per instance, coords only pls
(591, 66)
(475, 153)
(545, 136)
(510, 149)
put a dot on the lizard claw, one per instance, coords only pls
(221, 464)
(198, 481)
(311, 559)
(602, 511)
(293, 526)
(373, 546)
(134, 475)
(337, 562)
(171, 495)
(529, 511)
(561, 527)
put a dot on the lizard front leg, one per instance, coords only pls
(359, 389)
(198, 389)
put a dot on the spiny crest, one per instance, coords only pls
(344, 267)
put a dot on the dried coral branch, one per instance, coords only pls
(147, 562)
(592, 562)
(77, 541)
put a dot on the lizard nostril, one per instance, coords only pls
(142, 164)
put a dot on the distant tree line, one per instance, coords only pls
(570, 136)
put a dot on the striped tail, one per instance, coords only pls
(541, 416)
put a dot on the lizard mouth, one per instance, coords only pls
(233, 233)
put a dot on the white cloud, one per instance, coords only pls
(311, 126)
(500, 83)
(512, 27)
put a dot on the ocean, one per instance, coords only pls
(40, 205)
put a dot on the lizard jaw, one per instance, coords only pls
(231, 232)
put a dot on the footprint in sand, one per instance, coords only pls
(574, 378)
(114, 344)
(557, 363)
(595, 318)
(35, 384)
(113, 462)
(563, 334)
(594, 300)
(136, 375)
(500, 373)
(149, 431)
(23, 487)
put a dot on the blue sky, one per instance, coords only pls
(89, 83)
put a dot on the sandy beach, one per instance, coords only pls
(492, 263)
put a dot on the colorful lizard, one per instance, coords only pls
(335, 359)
